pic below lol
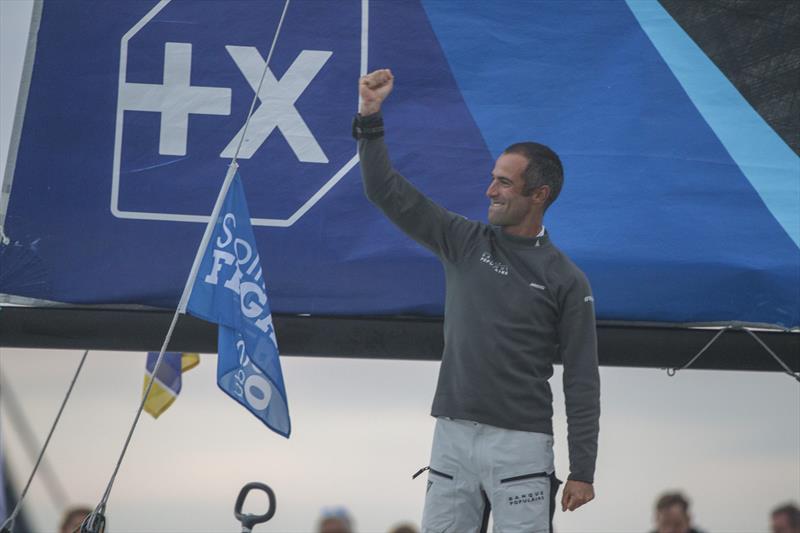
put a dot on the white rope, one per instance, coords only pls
(187, 289)
(55, 489)
(96, 519)
(9, 523)
(101, 506)
(263, 75)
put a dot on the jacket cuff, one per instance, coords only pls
(581, 476)
(368, 127)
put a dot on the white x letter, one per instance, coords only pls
(277, 104)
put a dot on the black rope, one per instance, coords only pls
(672, 371)
(787, 370)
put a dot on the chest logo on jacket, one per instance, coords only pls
(498, 266)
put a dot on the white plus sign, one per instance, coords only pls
(175, 99)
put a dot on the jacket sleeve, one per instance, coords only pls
(441, 231)
(578, 350)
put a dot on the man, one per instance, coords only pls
(672, 514)
(335, 520)
(73, 518)
(514, 302)
(786, 519)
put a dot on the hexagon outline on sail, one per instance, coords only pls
(217, 101)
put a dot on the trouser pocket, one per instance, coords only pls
(523, 503)
(439, 513)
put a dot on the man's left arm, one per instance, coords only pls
(578, 350)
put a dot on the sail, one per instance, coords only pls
(681, 200)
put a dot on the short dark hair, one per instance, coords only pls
(791, 511)
(544, 168)
(669, 499)
(404, 528)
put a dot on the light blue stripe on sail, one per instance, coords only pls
(772, 168)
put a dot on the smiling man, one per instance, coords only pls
(514, 304)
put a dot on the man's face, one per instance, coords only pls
(334, 525)
(781, 524)
(508, 205)
(672, 520)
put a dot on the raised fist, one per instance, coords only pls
(373, 89)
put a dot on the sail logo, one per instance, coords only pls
(175, 99)
(186, 84)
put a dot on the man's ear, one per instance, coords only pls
(540, 194)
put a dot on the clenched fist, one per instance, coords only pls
(373, 89)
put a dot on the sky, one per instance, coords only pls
(730, 440)
(361, 429)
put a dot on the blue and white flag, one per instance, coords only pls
(230, 290)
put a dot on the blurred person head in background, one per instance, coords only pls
(404, 528)
(335, 520)
(785, 519)
(73, 517)
(672, 514)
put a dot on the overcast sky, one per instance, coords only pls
(731, 440)
(360, 429)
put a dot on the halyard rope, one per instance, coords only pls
(95, 521)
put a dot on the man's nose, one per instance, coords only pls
(491, 190)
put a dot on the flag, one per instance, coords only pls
(167, 384)
(229, 290)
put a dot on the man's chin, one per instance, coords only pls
(496, 220)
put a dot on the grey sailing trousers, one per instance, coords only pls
(476, 468)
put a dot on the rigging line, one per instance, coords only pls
(101, 506)
(671, 371)
(263, 75)
(96, 517)
(9, 523)
(795, 375)
(787, 370)
(229, 176)
(55, 489)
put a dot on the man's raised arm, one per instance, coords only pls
(439, 230)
